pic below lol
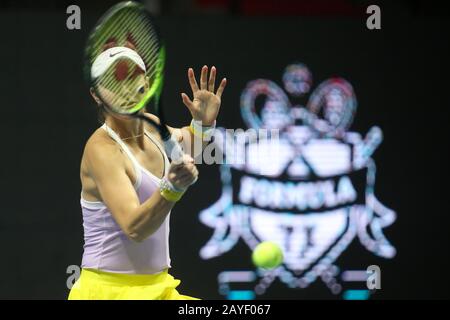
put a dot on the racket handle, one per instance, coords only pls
(174, 151)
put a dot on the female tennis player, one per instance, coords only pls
(129, 188)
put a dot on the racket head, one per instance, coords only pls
(124, 59)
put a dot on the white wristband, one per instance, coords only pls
(205, 133)
(168, 190)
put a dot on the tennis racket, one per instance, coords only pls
(124, 64)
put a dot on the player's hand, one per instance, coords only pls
(183, 174)
(206, 103)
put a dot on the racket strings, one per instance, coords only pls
(130, 25)
(138, 27)
(135, 30)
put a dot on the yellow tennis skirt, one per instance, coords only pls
(100, 285)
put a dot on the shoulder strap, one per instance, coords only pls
(130, 155)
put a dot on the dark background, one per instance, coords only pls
(399, 74)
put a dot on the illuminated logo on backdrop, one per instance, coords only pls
(311, 191)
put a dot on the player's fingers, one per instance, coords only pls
(194, 176)
(203, 77)
(185, 182)
(176, 166)
(189, 169)
(181, 177)
(212, 79)
(187, 101)
(222, 85)
(194, 181)
(195, 172)
(192, 81)
(188, 176)
(188, 159)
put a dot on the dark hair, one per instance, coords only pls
(100, 113)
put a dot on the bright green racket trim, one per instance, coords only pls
(157, 85)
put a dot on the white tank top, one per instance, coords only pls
(106, 247)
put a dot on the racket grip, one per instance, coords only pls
(173, 149)
(175, 152)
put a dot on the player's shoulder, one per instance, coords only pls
(151, 116)
(101, 149)
(148, 126)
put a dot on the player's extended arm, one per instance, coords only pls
(138, 221)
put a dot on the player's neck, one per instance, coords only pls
(129, 129)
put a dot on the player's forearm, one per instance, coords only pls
(148, 217)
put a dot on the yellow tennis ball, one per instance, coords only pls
(267, 255)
